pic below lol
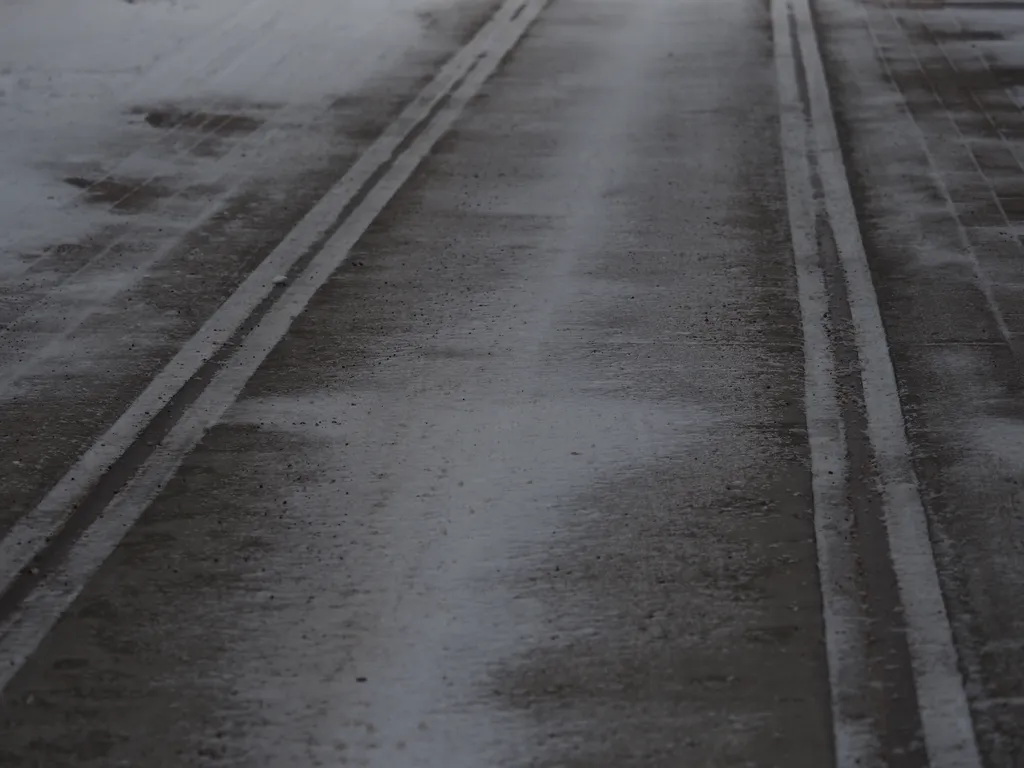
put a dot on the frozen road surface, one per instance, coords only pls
(485, 383)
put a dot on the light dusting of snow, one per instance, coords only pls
(77, 78)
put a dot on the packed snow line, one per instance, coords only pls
(366, 188)
(857, 743)
(942, 701)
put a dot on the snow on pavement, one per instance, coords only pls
(78, 79)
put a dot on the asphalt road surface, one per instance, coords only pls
(605, 383)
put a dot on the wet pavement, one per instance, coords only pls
(570, 462)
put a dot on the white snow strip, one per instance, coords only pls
(71, 72)
(942, 700)
(458, 82)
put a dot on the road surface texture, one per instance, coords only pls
(523, 383)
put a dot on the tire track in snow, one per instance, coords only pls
(809, 130)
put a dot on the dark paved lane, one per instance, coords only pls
(526, 485)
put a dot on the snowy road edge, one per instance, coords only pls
(857, 743)
(30, 535)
